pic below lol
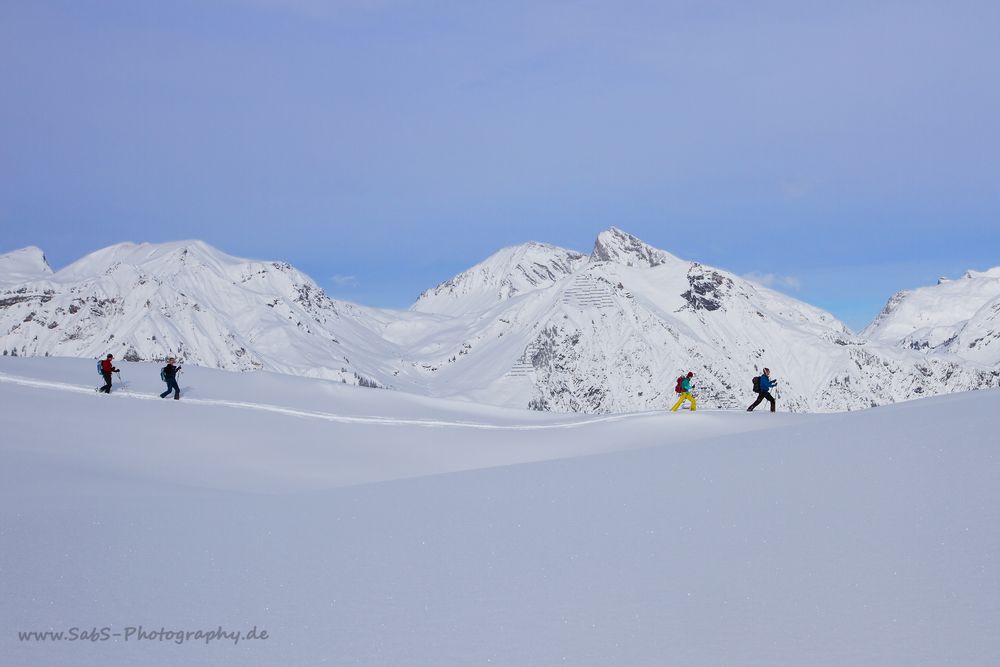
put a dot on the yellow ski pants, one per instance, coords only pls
(684, 397)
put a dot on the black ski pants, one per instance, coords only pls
(172, 386)
(760, 397)
(107, 383)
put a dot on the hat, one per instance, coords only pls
(767, 370)
(690, 374)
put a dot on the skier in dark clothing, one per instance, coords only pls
(764, 392)
(107, 368)
(169, 374)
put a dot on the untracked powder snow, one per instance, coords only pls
(359, 526)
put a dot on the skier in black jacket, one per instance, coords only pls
(169, 374)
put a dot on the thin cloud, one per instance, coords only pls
(345, 281)
(774, 280)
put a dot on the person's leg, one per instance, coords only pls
(694, 403)
(177, 389)
(107, 383)
(760, 397)
(678, 403)
(164, 394)
(770, 398)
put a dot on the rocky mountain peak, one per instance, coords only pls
(615, 245)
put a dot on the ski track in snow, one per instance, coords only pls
(123, 392)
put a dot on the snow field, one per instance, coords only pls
(708, 538)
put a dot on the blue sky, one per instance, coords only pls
(844, 149)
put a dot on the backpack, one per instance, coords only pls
(163, 373)
(100, 371)
(679, 388)
(756, 384)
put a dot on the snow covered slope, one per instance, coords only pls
(708, 538)
(509, 272)
(961, 317)
(21, 266)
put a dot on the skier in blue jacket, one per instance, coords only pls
(765, 390)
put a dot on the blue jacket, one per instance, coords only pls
(765, 383)
(686, 384)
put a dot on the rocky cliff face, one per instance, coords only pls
(614, 245)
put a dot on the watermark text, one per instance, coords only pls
(140, 634)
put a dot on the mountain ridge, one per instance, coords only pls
(533, 325)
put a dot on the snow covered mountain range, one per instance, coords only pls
(531, 326)
(961, 317)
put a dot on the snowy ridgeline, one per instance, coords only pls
(533, 325)
(318, 513)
